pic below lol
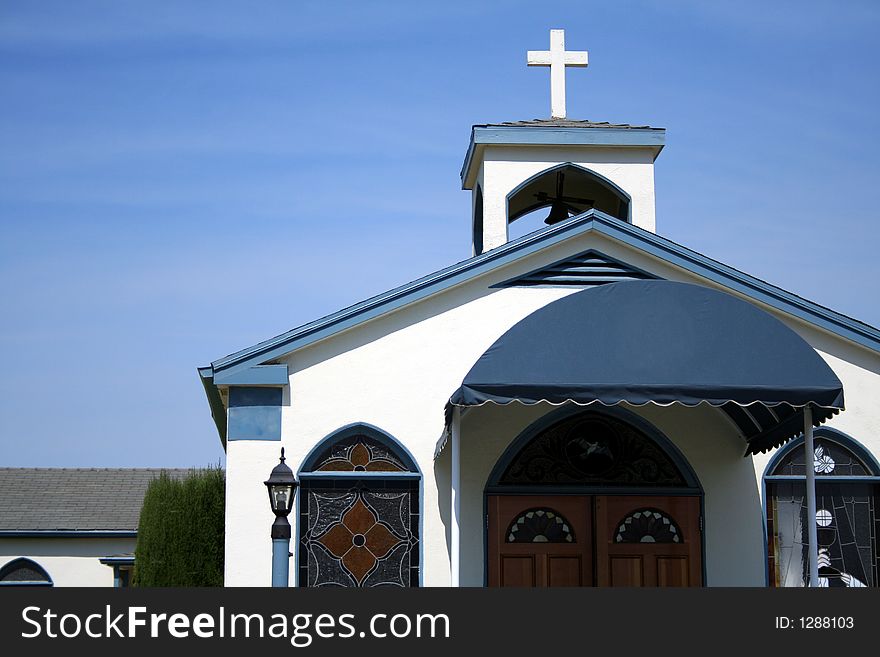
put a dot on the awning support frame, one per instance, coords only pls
(812, 531)
(455, 506)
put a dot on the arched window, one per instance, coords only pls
(591, 450)
(359, 522)
(24, 572)
(847, 518)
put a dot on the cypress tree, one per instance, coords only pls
(181, 530)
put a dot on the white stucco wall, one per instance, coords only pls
(397, 372)
(68, 561)
(503, 168)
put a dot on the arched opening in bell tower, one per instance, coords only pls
(478, 221)
(560, 192)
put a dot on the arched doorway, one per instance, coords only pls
(587, 498)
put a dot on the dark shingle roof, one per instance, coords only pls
(74, 499)
(566, 123)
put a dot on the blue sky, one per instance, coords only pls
(179, 180)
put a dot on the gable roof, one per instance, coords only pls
(83, 500)
(590, 221)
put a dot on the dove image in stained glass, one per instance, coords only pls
(822, 463)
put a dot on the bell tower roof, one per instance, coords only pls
(559, 133)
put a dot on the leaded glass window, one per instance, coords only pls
(847, 519)
(359, 513)
(359, 453)
(830, 459)
(540, 526)
(592, 449)
(648, 526)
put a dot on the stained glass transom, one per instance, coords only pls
(648, 526)
(592, 449)
(540, 526)
(830, 459)
(359, 453)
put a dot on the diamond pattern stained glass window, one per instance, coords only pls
(359, 528)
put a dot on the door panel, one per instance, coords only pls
(672, 571)
(662, 534)
(540, 540)
(626, 570)
(518, 570)
(565, 570)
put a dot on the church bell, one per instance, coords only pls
(558, 212)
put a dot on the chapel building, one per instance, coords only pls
(590, 404)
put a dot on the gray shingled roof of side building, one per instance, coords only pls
(74, 499)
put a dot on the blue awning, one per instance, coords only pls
(660, 342)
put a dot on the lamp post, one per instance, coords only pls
(282, 489)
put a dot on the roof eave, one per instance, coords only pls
(215, 402)
(68, 533)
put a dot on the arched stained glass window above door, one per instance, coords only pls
(847, 514)
(359, 512)
(591, 449)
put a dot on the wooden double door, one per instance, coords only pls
(594, 540)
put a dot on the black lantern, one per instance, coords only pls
(281, 485)
(282, 489)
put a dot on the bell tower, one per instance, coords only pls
(567, 166)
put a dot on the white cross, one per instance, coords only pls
(557, 59)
